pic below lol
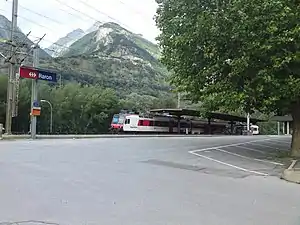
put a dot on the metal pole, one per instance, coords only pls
(288, 127)
(11, 76)
(34, 93)
(51, 118)
(248, 123)
(51, 114)
(278, 128)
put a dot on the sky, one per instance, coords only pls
(134, 15)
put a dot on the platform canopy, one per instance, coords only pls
(177, 112)
(287, 118)
(211, 115)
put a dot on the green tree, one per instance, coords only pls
(235, 53)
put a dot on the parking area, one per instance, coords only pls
(155, 180)
(254, 157)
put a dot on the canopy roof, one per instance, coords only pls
(211, 115)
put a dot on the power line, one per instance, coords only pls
(17, 48)
(20, 32)
(16, 31)
(77, 11)
(76, 16)
(49, 18)
(46, 17)
(39, 14)
(94, 8)
(131, 8)
(33, 22)
(29, 20)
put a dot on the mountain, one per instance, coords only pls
(23, 42)
(63, 43)
(114, 57)
(94, 27)
(114, 40)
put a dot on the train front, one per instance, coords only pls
(116, 125)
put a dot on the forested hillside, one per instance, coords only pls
(77, 108)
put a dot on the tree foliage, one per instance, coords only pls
(235, 53)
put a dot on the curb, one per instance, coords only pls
(292, 174)
(74, 136)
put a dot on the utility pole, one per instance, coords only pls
(34, 94)
(12, 72)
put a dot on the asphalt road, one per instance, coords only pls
(143, 181)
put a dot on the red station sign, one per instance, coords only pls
(37, 74)
(29, 73)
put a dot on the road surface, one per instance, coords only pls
(147, 181)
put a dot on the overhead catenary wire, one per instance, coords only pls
(105, 14)
(131, 8)
(38, 24)
(39, 14)
(48, 17)
(31, 49)
(18, 47)
(63, 46)
(62, 3)
(74, 9)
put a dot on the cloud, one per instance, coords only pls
(135, 15)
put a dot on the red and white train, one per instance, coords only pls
(132, 123)
(165, 124)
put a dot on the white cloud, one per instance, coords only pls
(135, 15)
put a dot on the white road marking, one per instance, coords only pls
(230, 145)
(267, 146)
(292, 164)
(282, 142)
(227, 164)
(251, 149)
(246, 157)
(195, 152)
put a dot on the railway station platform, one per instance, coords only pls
(231, 119)
(284, 124)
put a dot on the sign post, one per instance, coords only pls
(34, 94)
(36, 74)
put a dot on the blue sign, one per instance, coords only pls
(36, 104)
(46, 75)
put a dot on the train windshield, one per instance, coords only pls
(117, 119)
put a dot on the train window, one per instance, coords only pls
(121, 120)
(115, 119)
(146, 123)
(127, 121)
(141, 123)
